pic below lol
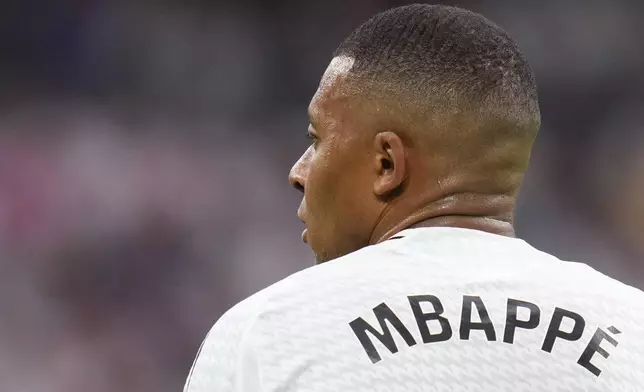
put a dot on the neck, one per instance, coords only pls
(489, 213)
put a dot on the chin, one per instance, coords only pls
(323, 257)
(319, 258)
(327, 253)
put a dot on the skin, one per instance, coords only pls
(369, 173)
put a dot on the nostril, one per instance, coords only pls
(297, 185)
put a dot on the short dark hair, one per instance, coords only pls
(440, 57)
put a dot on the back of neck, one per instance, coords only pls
(489, 213)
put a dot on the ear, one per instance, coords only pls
(390, 163)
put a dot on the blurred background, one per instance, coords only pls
(144, 152)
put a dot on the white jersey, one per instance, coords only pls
(434, 309)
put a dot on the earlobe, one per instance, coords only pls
(390, 163)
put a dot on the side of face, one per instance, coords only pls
(343, 173)
(333, 173)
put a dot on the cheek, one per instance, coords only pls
(320, 185)
(336, 186)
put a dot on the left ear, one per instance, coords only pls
(390, 163)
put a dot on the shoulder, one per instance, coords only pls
(320, 281)
(595, 281)
(314, 279)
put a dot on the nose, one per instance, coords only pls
(297, 175)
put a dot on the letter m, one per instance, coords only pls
(384, 314)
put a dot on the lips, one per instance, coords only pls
(301, 213)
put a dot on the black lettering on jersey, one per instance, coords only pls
(423, 318)
(594, 347)
(554, 330)
(383, 313)
(467, 325)
(512, 322)
(441, 328)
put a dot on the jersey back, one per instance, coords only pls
(437, 309)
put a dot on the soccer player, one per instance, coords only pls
(421, 131)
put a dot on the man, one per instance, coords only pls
(421, 132)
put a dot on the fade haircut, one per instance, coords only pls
(433, 60)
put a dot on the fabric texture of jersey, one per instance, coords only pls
(439, 309)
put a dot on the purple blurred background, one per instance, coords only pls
(144, 152)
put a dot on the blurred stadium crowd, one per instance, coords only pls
(144, 152)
